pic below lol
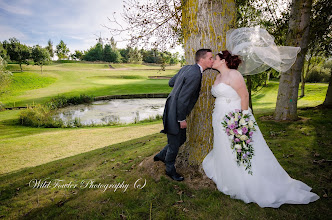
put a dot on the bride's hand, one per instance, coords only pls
(247, 112)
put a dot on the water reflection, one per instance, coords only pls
(112, 111)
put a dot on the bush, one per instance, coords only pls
(62, 101)
(5, 76)
(42, 115)
(2, 107)
(39, 116)
(328, 64)
(318, 74)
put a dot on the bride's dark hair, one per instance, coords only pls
(232, 62)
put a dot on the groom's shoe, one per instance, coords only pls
(156, 158)
(175, 176)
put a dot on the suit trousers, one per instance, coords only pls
(170, 151)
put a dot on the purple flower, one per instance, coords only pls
(247, 119)
(248, 153)
(244, 156)
(251, 133)
(230, 114)
(237, 140)
(232, 126)
(227, 130)
(240, 117)
(237, 110)
(248, 141)
(235, 131)
(238, 150)
(244, 130)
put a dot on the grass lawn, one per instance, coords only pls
(21, 146)
(72, 79)
(112, 154)
(296, 145)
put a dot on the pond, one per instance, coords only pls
(116, 111)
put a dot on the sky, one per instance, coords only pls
(77, 22)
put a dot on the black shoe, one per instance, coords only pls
(175, 176)
(156, 158)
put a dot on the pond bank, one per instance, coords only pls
(109, 97)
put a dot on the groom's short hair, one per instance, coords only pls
(201, 54)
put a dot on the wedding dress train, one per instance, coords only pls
(269, 185)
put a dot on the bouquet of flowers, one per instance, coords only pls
(240, 129)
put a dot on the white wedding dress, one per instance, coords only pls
(269, 185)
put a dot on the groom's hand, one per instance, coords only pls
(183, 124)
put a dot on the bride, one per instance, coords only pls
(269, 185)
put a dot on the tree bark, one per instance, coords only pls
(302, 83)
(298, 35)
(328, 98)
(204, 24)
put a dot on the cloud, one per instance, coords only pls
(77, 23)
(21, 10)
(9, 32)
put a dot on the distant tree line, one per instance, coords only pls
(15, 51)
(109, 53)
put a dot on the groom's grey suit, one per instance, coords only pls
(186, 86)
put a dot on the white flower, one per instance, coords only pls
(229, 122)
(251, 124)
(244, 146)
(231, 132)
(236, 116)
(238, 147)
(232, 120)
(239, 131)
(243, 138)
(242, 121)
(231, 137)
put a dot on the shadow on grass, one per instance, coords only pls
(167, 199)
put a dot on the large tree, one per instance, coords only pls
(204, 25)
(94, 53)
(62, 50)
(40, 56)
(298, 35)
(320, 39)
(18, 52)
(49, 47)
(197, 24)
(328, 98)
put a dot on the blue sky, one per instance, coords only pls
(76, 22)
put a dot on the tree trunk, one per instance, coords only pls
(328, 98)
(204, 25)
(21, 67)
(302, 83)
(303, 77)
(298, 35)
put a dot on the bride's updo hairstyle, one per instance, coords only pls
(232, 62)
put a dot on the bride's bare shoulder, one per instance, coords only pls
(236, 74)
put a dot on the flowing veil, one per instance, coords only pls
(258, 51)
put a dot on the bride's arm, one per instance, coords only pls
(239, 85)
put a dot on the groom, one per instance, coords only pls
(186, 86)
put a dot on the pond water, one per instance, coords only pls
(116, 111)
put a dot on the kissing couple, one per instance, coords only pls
(267, 183)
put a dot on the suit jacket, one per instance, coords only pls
(186, 86)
